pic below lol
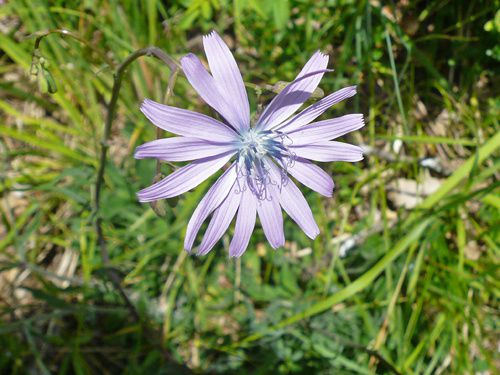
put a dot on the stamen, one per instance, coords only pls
(255, 146)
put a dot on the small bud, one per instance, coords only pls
(159, 208)
(35, 63)
(51, 83)
(39, 71)
(172, 202)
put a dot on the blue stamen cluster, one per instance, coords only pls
(253, 148)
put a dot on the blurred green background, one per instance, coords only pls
(404, 275)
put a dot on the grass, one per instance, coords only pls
(383, 289)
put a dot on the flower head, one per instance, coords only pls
(262, 155)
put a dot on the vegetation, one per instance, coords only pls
(404, 275)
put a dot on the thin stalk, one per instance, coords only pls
(111, 107)
(118, 77)
(64, 32)
(396, 82)
(111, 110)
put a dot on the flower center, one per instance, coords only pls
(252, 167)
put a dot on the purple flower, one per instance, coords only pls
(262, 155)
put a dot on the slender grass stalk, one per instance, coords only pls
(396, 82)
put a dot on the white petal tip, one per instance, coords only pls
(204, 248)
(276, 246)
(188, 245)
(138, 152)
(188, 57)
(312, 235)
(201, 253)
(211, 34)
(327, 193)
(146, 107)
(143, 196)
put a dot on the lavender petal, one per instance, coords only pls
(294, 203)
(187, 123)
(295, 93)
(270, 216)
(227, 77)
(312, 176)
(207, 88)
(245, 223)
(317, 109)
(184, 178)
(212, 199)
(182, 149)
(326, 130)
(329, 151)
(222, 217)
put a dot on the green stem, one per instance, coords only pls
(118, 77)
(111, 110)
(111, 107)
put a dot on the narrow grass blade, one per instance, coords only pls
(351, 289)
(482, 153)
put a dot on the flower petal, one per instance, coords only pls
(227, 77)
(312, 176)
(181, 149)
(245, 223)
(293, 202)
(317, 109)
(269, 211)
(207, 87)
(222, 217)
(326, 130)
(184, 178)
(329, 151)
(295, 93)
(212, 199)
(187, 123)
